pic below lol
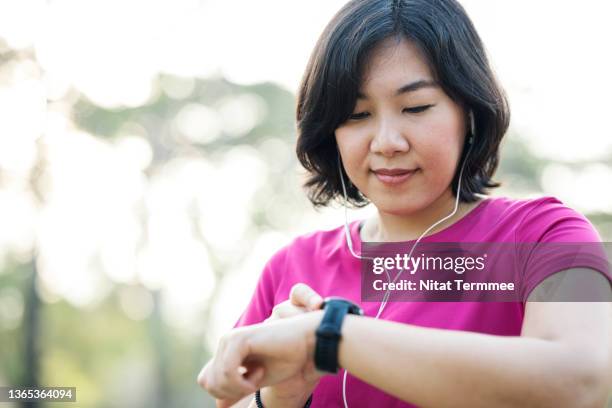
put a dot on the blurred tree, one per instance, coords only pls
(31, 329)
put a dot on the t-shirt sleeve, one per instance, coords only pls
(551, 238)
(262, 300)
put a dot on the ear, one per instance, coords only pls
(472, 123)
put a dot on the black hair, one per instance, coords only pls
(448, 41)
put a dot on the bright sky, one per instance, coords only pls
(551, 56)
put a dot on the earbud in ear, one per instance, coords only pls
(472, 127)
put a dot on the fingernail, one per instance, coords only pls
(314, 302)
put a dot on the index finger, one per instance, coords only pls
(303, 295)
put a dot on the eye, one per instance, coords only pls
(357, 116)
(416, 109)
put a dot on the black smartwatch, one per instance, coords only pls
(328, 333)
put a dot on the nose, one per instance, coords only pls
(389, 140)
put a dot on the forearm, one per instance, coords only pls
(434, 367)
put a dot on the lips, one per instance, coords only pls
(393, 172)
(394, 176)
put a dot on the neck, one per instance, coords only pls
(387, 227)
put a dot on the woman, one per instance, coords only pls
(399, 107)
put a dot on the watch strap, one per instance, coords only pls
(328, 335)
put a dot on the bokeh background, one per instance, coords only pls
(147, 170)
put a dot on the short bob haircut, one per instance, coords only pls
(456, 57)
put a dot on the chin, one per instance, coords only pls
(391, 206)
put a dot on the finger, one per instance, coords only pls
(235, 384)
(203, 375)
(217, 377)
(254, 371)
(226, 386)
(211, 377)
(303, 295)
(286, 309)
(255, 376)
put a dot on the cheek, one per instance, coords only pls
(446, 129)
(441, 148)
(353, 148)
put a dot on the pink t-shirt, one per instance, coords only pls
(322, 260)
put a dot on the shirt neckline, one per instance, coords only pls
(356, 237)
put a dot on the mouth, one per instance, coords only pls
(394, 176)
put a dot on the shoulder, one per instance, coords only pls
(531, 219)
(545, 218)
(523, 206)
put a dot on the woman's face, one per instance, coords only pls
(420, 129)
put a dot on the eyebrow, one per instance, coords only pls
(411, 87)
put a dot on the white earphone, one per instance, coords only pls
(472, 128)
(349, 241)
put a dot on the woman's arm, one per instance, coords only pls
(563, 358)
(439, 368)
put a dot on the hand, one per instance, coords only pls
(251, 357)
(302, 299)
(295, 390)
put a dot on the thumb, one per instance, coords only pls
(255, 376)
(304, 296)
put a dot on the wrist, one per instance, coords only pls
(271, 398)
(315, 318)
(329, 332)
